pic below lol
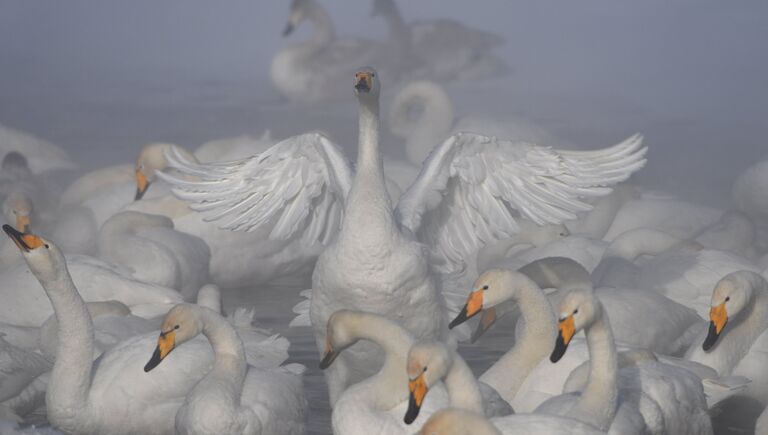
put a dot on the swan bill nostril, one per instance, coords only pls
(362, 86)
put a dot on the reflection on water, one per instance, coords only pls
(273, 306)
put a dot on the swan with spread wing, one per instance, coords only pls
(388, 259)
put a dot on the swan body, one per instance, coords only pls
(41, 154)
(736, 342)
(435, 121)
(748, 192)
(152, 251)
(224, 150)
(232, 397)
(381, 259)
(454, 421)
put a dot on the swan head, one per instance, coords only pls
(297, 15)
(15, 163)
(44, 259)
(17, 208)
(578, 310)
(491, 288)
(367, 84)
(182, 323)
(428, 362)
(151, 159)
(339, 335)
(731, 296)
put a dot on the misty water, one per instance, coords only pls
(103, 79)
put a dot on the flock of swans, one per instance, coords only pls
(632, 311)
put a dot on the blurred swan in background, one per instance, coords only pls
(42, 156)
(317, 68)
(750, 192)
(441, 49)
(233, 397)
(421, 113)
(374, 262)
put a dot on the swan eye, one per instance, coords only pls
(425, 369)
(727, 298)
(485, 287)
(576, 311)
(46, 246)
(176, 327)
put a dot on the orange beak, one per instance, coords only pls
(165, 344)
(473, 306)
(718, 317)
(25, 242)
(418, 391)
(566, 330)
(142, 184)
(23, 223)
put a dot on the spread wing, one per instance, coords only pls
(294, 189)
(472, 189)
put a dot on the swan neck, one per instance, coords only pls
(531, 348)
(463, 389)
(369, 155)
(597, 403)
(67, 395)
(229, 367)
(390, 383)
(324, 32)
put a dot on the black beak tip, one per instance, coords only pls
(139, 194)
(460, 318)
(17, 236)
(413, 411)
(362, 86)
(559, 351)
(327, 360)
(712, 337)
(154, 361)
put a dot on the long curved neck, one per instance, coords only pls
(463, 389)
(531, 348)
(597, 403)
(390, 383)
(324, 32)
(225, 380)
(67, 395)
(369, 209)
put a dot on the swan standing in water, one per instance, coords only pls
(377, 256)
(232, 398)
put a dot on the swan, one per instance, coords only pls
(375, 404)
(664, 213)
(454, 421)
(42, 155)
(380, 400)
(107, 396)
(315, 69)
(680, 269)
(674, 326)
(734, 232)
(598, 401)
(596, 223)
(152, 251)
(97, 280)
(232, 398)
(422, 114)
(431, 361)
(375, 258)
(223, 150)
(736, 342)
(748, 192)
(441, 49)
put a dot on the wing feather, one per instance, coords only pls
(295, 189)
(472, 189)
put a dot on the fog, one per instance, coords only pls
(102, 78)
